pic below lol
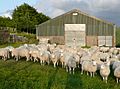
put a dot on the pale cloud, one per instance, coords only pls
(7, 15)
(105, 9)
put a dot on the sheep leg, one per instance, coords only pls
(48, 62)
(4, 58)
(27, 59)
(117, 80)
(57, 63)
(103, 78)
(41, 62)
(70, 70)
(31, 58)
(54, 64)
(91, 74)
(34, 59)
(62, 65)
(82, 71)
(16, 58)
(106, 79)
(87, 73)
(73, 70)
(66, 69)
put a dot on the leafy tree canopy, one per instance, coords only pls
(25, 17)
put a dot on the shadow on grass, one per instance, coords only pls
(74, 81)
(52, 78)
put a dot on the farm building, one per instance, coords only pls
(77, 28)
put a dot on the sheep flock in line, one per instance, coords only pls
(87, 60)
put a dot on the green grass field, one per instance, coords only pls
(30, 75)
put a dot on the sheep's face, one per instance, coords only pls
(53, 56)
(61, 51)
(10, 50)
(55, 45)
(48, 45)
(61, 54)
(102, 67)
(41, 54)
(94, 63)
(30, 52)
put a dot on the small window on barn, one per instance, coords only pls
(75, 13)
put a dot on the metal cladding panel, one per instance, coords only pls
(75, 34)
(101, 40)
(108, 40)
(74, 27)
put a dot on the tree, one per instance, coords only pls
(5, 22)
(42, 18)
(26, 17)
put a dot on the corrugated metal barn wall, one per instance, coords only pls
(55, 27)
(94, 26)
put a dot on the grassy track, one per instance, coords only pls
(29, 75)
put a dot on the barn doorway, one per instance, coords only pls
(75, 35)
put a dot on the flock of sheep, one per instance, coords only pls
(87, 60)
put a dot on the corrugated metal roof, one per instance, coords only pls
(80, 12)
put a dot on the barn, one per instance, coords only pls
(77, 28)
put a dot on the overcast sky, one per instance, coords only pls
(105, 9)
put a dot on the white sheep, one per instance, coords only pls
(89, 66)
(92, 68)
(4, 53)
(104, 49)
(44, 57)
(34, 53)
(55, 57)
(115, 65)
(71, 64)
(21, 52)
(105, 71)
(117, 73)
(51, 47)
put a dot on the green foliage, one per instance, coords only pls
(30, 75)
(5, 22)
(26, 17)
